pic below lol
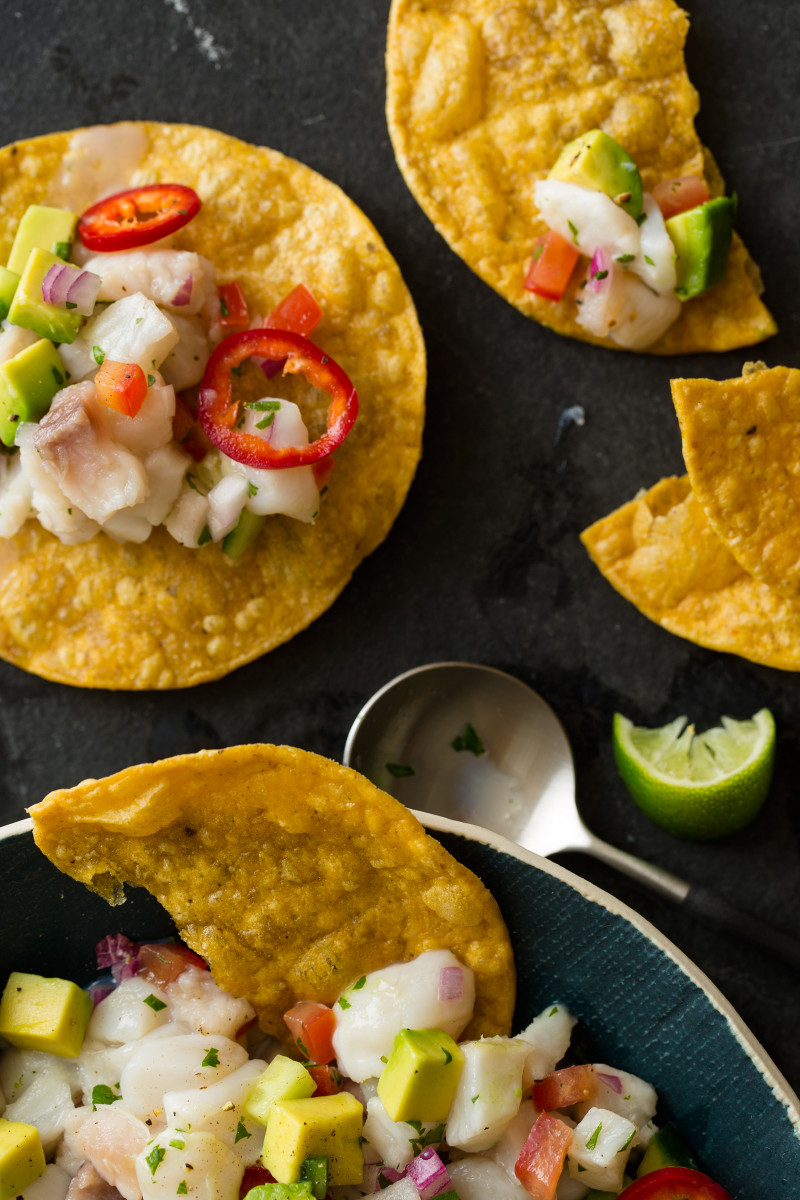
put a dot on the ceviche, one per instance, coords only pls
(118, 355)
(155, 1083)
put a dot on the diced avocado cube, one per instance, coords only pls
(666, 1149)
(284, 1079)
(8, 285)
(28, 383)
(314, 1171)
(595, 160)
(421, 1075)
(21, 1157)
(44, 1014)
(281, 1191)
(29, 308)
(321, 1126)
(702, 239)
(243, 534)
(44, 228)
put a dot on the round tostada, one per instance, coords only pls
(212, 388)
(553, 146)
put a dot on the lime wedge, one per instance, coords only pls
(698, 785)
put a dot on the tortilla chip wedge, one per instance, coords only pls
(661, 553)
(741, 446)
(160, 615)
(482, 97)
(291, 875)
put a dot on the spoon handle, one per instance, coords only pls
(699, 901)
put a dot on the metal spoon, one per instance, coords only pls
(514, 775)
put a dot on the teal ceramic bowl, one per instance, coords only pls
(642, 1005)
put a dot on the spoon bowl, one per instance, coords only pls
(475, 744)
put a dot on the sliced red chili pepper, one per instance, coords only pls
(674, 1183)
(233, 312)
(138, 216)
(218, 411)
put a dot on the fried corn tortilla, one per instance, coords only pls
(661, 552)
(159, 615)
(291, 875)
(482, 95)
(741, 446)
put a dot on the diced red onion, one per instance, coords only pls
(600, 265)
(184, 292)
(66, 285)
(451, 983)
(271, 366)
(428, 1173)
(115, 948)
(125, 970)
(612, 1081)
(99, 991)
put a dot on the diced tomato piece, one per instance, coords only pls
(312, 1025)
(327, 1079)
(298, 312)
(187, 431)
(675, 196)
(562, 1088)
(162, 964)
(121, 386)
(674, 1183)
(253, 1177)
(541, 1159)
(233, 306)
(551, 267)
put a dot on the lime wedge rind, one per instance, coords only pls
(698, 786)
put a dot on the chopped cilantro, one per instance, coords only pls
(98, 355)
(359, 983)
(155, 1158)
(223, 308)
(628, 1142)
(553, 1011)
(70, 304)
(625, 258)
(591, 1141)
(102, 1094)
(62, 249)
(649, 260)
(151, 380)
(600, 275)
(212, 1056)
(399, 770)
(138, 320)
(205, 536)
(538, 250)
(469, 740)
(241, 1132)
(252, 489)
(425, 1137)
(574, 231)
(477, 1097)
(178, 1144)
(154, 1002)
(448, 1058)
(59, 378)
(344, 1003)
(181, 1189)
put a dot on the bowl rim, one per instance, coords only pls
(596, 895)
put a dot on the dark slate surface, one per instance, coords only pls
(484, 562)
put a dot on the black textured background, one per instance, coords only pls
(484, 562)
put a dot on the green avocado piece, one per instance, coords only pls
(243, 534)
(46, 228)
(595, 160)
(28, 383)
(666, 1149)
(283, 1079)
(281, 1191)
(44, 1014)
(21, 1157)
(31, 311)
(8, 285)
(419, 1080)
(702, 239)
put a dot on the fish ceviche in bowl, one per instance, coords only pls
(118, 354)
(155, 1083)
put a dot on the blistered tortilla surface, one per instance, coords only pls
(291, 875)
(741, 446)
(159, 615)
(482, 95)
(661, 552)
